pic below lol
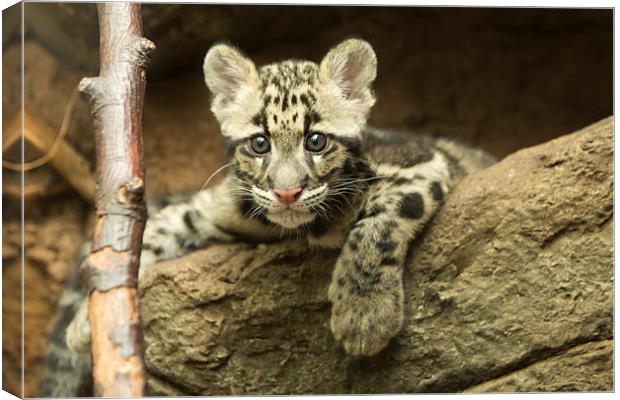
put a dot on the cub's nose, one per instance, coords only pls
(287, 196)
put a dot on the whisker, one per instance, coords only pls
(217, 171)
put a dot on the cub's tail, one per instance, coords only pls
(65, 373)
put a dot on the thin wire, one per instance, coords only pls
(62, 132)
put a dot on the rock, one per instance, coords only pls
(505, 292)
(586, 367)
(52, 236)
(41, 254)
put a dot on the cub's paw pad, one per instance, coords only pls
(365, 323)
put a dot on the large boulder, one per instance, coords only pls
(509, 289)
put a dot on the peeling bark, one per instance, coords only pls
(111, 270)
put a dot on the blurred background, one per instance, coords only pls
(499, 79)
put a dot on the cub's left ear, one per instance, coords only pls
(228, 74)
(351, 67)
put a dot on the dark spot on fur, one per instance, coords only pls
(293, 99)
(421, 157)
(244, 176)
(187, 218)
(256, 120)
(386, 246)
(295, 117)
(264, 124)
(311, 117)
(412, 206)
(284, 103)
(277, 100)
(356, 288)
(455, 165)
(329, 173)
(389, 261)
(307, 122)
(180, 239)
(372, 212)
(390, 224)
(194, 246)
(275, 119)
(358, 266)
(224, 230)
(246, 205)
(316, 117)
(352, 145)
(386, 234)
(304, 100)
(436, 191)
(158, 251)
(319, 227)
(401, 181)
(341, 282)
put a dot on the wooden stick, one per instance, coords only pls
(67, 161)
(12, 133)
(116, 98)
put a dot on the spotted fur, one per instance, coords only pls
(368, 192)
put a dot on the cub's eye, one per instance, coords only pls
(260, 144)
(315, 142)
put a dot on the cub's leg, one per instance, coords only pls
(210, 216)
(367, 288)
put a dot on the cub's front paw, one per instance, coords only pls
(77, 336)
(147, 258)
(365, 320)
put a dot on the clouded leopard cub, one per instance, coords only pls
(304, 162)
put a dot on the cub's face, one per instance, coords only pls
(294, 129)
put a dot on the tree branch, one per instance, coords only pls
(111, 270)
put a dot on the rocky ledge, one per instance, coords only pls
(510, 289)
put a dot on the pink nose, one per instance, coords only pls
(287, 196)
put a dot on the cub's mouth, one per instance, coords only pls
(289, 218)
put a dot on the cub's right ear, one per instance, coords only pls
(228, 74)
